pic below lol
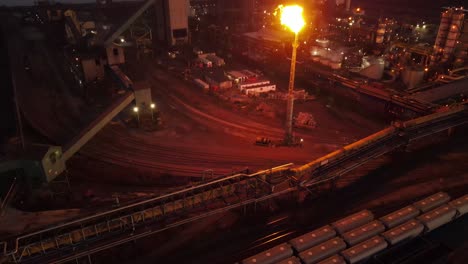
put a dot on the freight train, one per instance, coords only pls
(359, 236)
(397, 129)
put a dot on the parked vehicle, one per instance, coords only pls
(264, 141)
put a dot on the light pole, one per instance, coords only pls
(135, 109)
(291, 17)
(152, 106)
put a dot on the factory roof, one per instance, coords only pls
(269, 35)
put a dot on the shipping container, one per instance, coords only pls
(336, 259)
(271, 256)
(364, 232)
(322, 251)
(432, 202)
(313, 238)
(353, 221)
(408, 230)
(364, 249)
(400, 216)
(437, 217)
(461, 205)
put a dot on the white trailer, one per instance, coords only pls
(243, 86)
(256, 90)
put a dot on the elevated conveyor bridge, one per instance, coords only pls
(103, 230)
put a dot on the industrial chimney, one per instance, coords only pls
(348, 5)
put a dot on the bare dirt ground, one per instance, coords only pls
(200, 132)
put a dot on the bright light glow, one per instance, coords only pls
(291, 16)
(135, 109)
(153, 106)
(122, 40)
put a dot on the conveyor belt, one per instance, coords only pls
(113, 227)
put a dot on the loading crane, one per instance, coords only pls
(104, 230)
(43, 163)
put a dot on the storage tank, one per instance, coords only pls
(412, 76)
(313, 238)
(335, 57)
(322, 251)
(372, 67)
(364, 250)
(364, 232)
(432, 201)
(437, 217)
(355, 220)
(271, 255)
(400, 216)
(461, 205)
(407, 230)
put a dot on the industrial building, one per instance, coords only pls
(452, 38)
(172, 21)
(217, 80)
(264, 43)
(239, 14)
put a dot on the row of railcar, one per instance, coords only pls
(344, 151)
(394, 130)
(359, 236)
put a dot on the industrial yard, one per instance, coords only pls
(227, 133)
